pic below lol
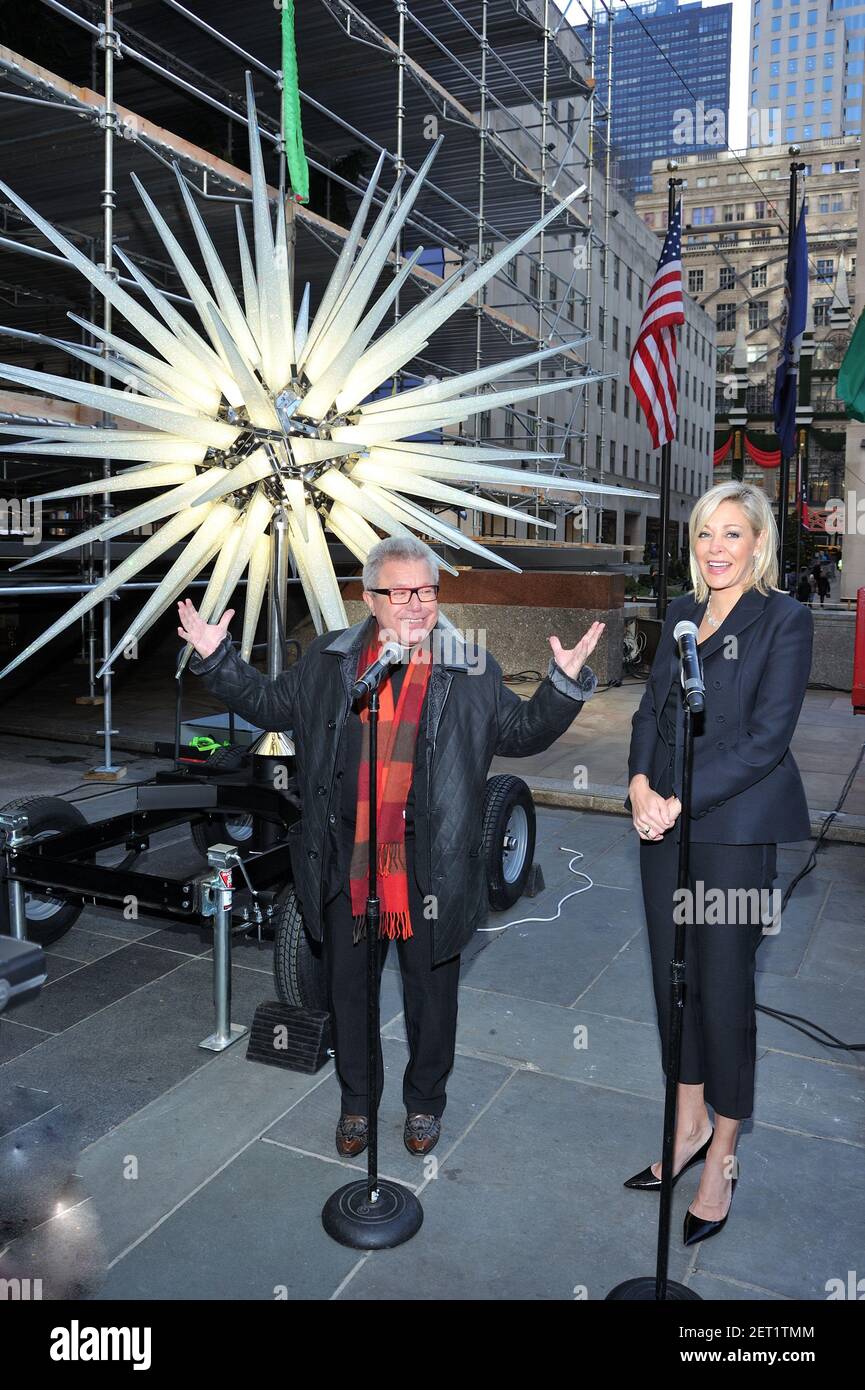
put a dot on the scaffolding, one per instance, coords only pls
(509, 83)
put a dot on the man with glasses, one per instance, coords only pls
(445, 712)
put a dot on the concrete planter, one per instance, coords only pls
(512, 615)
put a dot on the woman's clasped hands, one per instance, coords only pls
(653, 814)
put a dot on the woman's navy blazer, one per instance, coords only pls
(746, 787)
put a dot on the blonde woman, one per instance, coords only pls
(747, 797)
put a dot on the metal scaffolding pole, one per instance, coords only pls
(482, 173)
(608, 181)
(422, 222)
(589, 256)
(399, 166)
(107, 770)
(542, 245)
(482, 98)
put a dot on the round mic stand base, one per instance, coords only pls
(645, 1290)
(350, 1218)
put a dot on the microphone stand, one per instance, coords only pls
(375, 1213)
(659, 1288)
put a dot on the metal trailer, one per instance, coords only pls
(240, 821)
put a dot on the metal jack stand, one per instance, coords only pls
(216, 899)
(14, 823)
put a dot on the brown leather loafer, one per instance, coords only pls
(352, 1135)
(421, 1133)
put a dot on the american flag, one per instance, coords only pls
(653, 361)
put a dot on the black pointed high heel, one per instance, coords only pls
(698, 1228)
(647, 1182)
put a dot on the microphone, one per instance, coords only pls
(685, 637)
(391, 655)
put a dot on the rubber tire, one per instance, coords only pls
(47, 813)
(298, 961)
(217, 831)
(503, 794)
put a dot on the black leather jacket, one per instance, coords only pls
(470, 716)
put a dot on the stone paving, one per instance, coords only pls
(234, 1160)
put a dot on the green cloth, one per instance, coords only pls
(832, 440)
(768, 441)
(851, 377)
(298, 168)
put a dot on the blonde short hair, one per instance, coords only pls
(755, 505)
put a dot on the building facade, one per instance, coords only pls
(734, 249)
(807, 70)
(853, 492)
(653, 110)
(598, 285)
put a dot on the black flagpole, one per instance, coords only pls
(784, 476)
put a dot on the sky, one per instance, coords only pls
(738, 137)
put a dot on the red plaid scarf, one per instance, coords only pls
(397, 736)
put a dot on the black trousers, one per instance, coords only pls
(719, 1024)
(430, 1003)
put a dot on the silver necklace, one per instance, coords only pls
(712, 621)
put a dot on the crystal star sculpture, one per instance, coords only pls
(255, 411)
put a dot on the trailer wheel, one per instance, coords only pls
(49, 915)
(508, 838)
(298, 963)
(233, 830)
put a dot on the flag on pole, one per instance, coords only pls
(851, 377)
(793, 318)
(653, 361)
(292, 133)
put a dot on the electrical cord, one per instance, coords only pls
(836, 1044)
(576, 854)
(812, 858)
(793, 1020)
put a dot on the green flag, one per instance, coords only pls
(851, 377)
(298, 168)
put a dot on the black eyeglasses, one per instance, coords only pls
(425, 592)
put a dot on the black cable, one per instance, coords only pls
(836, 1043)
(812, 858)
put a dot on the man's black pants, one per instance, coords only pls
(430, 1002)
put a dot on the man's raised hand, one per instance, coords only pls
(573, 661)
(204, 637)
